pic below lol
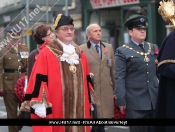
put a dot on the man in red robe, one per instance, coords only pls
(60, 83)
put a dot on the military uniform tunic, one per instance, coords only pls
(13, 65)
(136, 80)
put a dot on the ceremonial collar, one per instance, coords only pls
(69, 55)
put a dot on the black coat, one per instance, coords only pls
(165, 106)
(31, 61)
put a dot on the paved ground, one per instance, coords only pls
(3, 114)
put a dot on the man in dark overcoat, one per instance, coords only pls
(13, 64)
(136, 83)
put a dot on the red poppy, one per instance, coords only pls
(156, 51)
(36, 56)
(105, 50)
(117, 113)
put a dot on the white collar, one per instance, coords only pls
(63, 44)
(69, 55)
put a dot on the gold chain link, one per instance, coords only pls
(141, 53)
(146, 59)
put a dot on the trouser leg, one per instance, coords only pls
(139, 114)
(11, 104)
(20, 116)
(138, 128)
(98, 129)
(101, 128)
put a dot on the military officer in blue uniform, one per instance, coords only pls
(13, 64)
(136, 83)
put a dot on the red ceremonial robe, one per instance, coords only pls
(67, 94)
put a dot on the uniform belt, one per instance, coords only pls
(20, 70)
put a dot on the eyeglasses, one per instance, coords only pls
(66, 29)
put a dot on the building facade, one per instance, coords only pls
(27, 14)
(111, 15)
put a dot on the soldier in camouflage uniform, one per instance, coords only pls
(13, 64)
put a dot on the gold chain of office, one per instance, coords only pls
(72, 67)
(146, 59)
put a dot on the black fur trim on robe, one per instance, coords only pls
(89, 80)
(39, 78)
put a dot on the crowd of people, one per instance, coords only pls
(69, 81)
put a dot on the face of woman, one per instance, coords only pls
(49, 36)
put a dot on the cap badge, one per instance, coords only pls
(142, 20)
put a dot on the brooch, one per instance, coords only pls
(72, 68)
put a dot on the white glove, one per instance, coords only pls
(40, 109)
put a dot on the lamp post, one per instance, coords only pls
(27, 17)
(47, 15)
(66, 7)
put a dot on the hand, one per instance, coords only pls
(1, 91)
(122, 109)
(25, 106)
(91, 74)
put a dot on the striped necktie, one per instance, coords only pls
(97, 49)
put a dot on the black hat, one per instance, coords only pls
(136, 22)
(14, 31)
(61, 19)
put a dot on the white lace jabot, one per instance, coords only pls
(69, 54)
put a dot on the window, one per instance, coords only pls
(110, 17)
